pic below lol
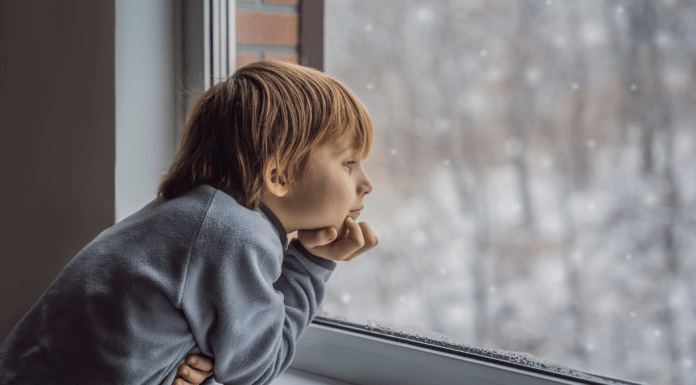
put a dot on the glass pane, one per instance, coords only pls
(534, 175)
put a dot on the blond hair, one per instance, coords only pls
(265, 108)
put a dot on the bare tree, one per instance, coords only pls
(520, 104)
(579, 166)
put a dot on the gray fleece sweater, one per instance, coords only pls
(196, 274)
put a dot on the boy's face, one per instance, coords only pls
(332, 188)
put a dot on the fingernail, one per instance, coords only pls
(192, 361)
(185, 372)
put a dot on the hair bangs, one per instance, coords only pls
(350, 119)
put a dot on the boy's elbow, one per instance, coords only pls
(270, 364)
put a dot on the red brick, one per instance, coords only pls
(289, 57)
(283, 2)
(246, 57)
(256, 27)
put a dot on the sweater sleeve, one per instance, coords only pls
(247, 306)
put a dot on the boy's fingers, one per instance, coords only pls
(181, 381)
(355, 232)
(193, 376)
(200, 363)
(370, 240)
(344, 248)
(314, 238)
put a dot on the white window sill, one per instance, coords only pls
(329, 352)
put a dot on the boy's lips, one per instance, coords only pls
(354, 213)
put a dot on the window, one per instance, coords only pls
(533, 169)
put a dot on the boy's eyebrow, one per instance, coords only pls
(343, 150)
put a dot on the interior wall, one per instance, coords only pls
(147, 88)
(57, 152)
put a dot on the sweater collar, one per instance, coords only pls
(276, 224)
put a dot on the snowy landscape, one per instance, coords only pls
(534, 173)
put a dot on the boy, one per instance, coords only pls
(206, 268)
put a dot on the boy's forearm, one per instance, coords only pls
(303, 283)
(255, 322)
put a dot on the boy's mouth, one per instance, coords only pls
(354, 213)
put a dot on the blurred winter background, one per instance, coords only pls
(535, 176)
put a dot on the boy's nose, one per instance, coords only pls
(365, 185)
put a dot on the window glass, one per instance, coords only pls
(534, 173)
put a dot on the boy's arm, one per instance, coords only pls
(246, 305)
(356, 240)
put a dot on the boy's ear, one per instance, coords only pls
(274, 182)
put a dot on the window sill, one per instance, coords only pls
(342, 352)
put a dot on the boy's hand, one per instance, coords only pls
(194, 372)
(355, 239)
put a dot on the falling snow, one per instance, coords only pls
(520, 196)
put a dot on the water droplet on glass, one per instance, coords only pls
(634, 87)
(492, 289)
(629, 256)
(370, 86)
(548, 2)
(688, 362)
(393, 151)
(443, 271)
(576, 86)
(402, 299)
(446, 162)
(657, 332)
(345, 298)
(633, 314)
(591, 143)
(368, 27)
(484, 53)
(620, 9)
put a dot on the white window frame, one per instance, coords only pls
(206, 50)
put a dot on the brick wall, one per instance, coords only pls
(267, 29)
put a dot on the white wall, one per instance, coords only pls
(145, 100)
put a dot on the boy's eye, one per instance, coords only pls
(347, 164)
